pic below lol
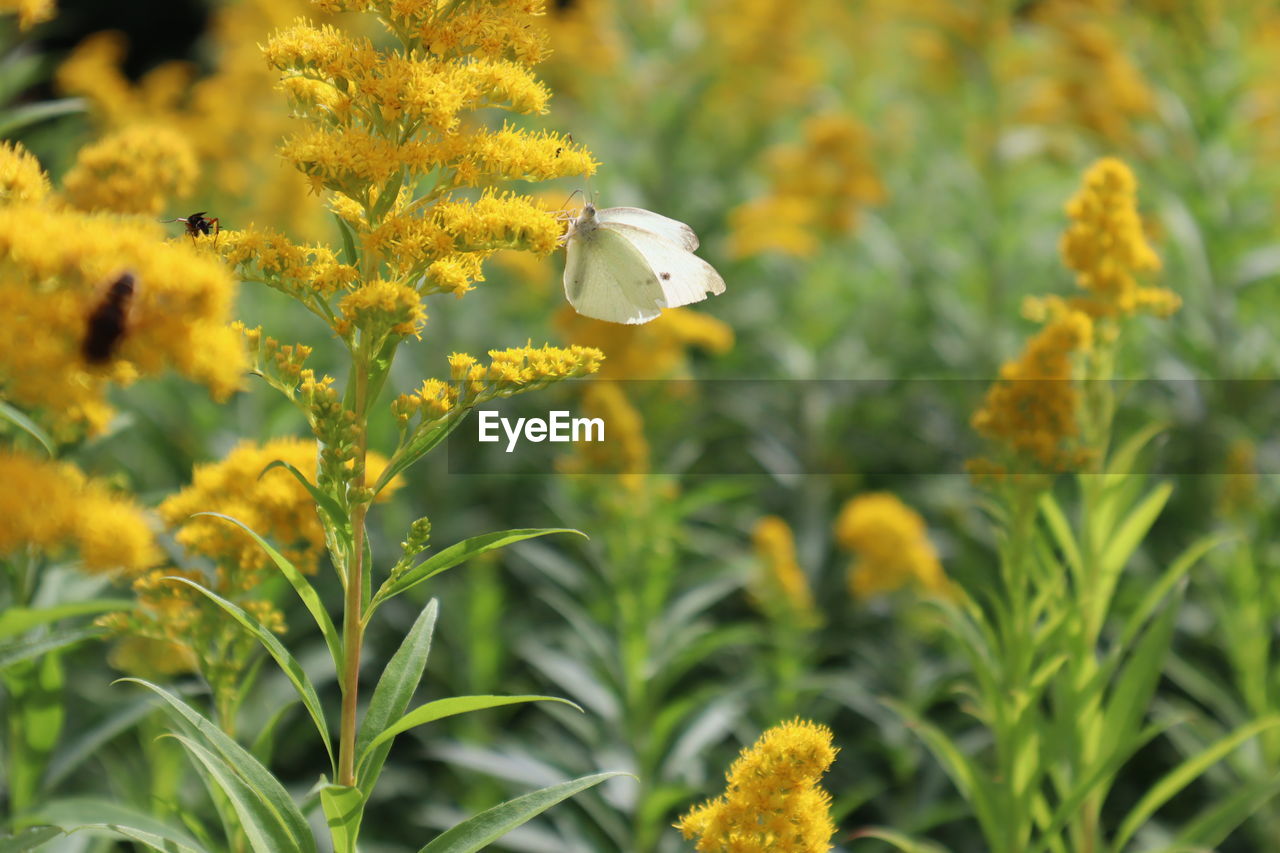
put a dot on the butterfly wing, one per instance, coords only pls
(683, 277)
(606, 278)
(668, 229)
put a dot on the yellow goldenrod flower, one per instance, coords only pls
(140, 169)
(1240, 482)
(1106, 247)
(626, 450)
(175, 629)
(29, 12)
(891, 546)
(816, 189)
(21, 177)
(57, 267)
(1091, 83)
(774, 800)
(781, 585)
(1033, 410)
(653, 350)
(274, 505)
(52, 507)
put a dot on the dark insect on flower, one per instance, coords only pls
(106, 324)
(197, 224)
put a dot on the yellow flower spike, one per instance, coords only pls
(274, 505)
(891, 546)
(22, 179)
(382, 307)
(56, 268)
(774, 800)
(781, 585)
(139, 170)
(47, 505)
(1106, 247)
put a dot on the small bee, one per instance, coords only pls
(106, 325)
(198, 224)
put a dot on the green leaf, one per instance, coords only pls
(1212, 826)
(292, 669)
(1121, 461)
(91, 813)
(148, 839)
(394, 692)
(458, 553)
(30, 427)
(343, 810)
(1061, 530)
(898, 840)
(19, 620)
(29, 839)
(1183, 775)
(266, 831)
(16, 118)
(260, 780)
(1134, 529)
(450, 707)
(480, 830)
(300, 585)
(348, 241)
(24, 650)
(326, 502)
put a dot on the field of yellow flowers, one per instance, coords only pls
(948, 526)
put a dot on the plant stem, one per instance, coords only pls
(352, 627)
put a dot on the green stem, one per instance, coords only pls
(352, 623)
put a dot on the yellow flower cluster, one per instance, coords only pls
(139, 169)
(625, 451)
(307, 273)
(1033, 411)
(518, 369)
(1091, 82)
(175, 629)
(652, 350)
(230, 120)
(29, 12)
(378, 119)
(1106, 247)
(774, 800)
(56, 269)
(782, 586)
(21, 178)
(816, 188)
(274, 505)
(891, 545)
(51, 506)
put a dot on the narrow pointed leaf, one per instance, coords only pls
(292, 669)
(461, 552)
(264, 829)
(483, 829)
(259, 778)
(450, 707)
(30, 427)
(394, 692)
(300, 585)
(19, 620)
(25, 650)
(898, 840)
(29, 839)
(1183, 775)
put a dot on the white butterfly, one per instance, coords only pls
(624, 265)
